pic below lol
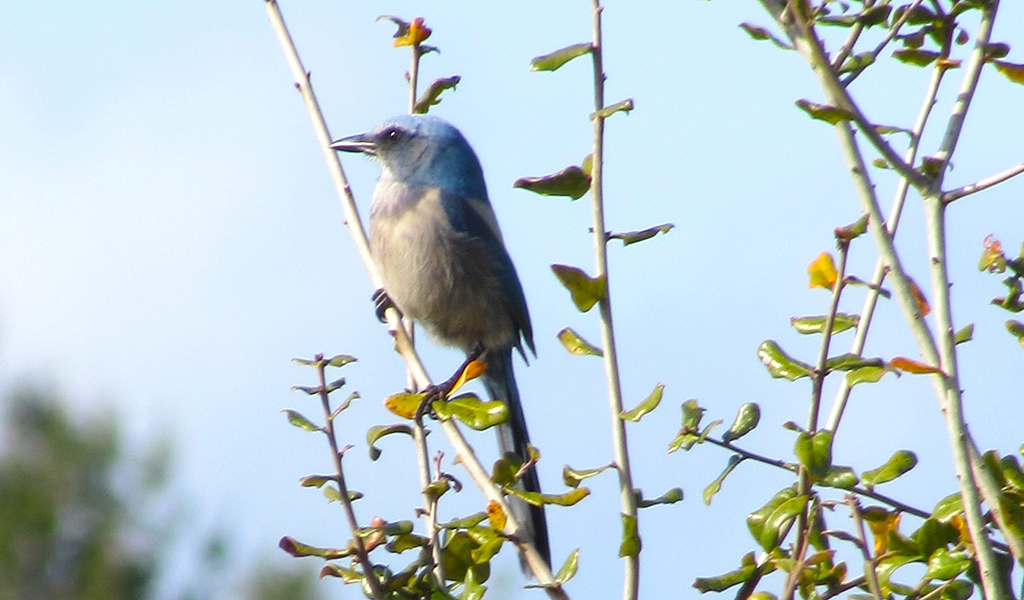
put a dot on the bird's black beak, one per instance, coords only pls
(362, 142)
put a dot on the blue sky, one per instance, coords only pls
(170, 239)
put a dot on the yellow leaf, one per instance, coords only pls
(496, 516)
(922, 302)
(473, 370)
(416, 33)
(961, 527)
(404, 405)
(912, 366)
(822, 271)
(881, 523)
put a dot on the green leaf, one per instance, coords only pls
(457, 558)
(432, 95)
(537, 499)
(870, 374)
(946, 565)
(571, 181)
(316, 480)
(1016, 329)
(689, 433)
(345, 404)
(816, 324)
(300, 421)
(670, 497)
(996, 50)
(889, 130)
(915, 56)
(573, 477)
(344, 573)
(387, 528)
(760, 33)
(949, 507)
(707, 430)
(472, 585)
(299, 549)
(850, 362)
(716, 486)
(554, 60)
(815, 452)
(586, 291)
(632, 237)
(854, 230)
(506, 468)
(335, 385)
(964, 335)
(465, 522)
(469, 409)
(778, 520)
(824, 112)
(378, 431)
(623, 105)
(577, 345)
(406, 541)
(898, 464)
(568, 569)
(747, 417)
(1013, 71)
(840, 477)
(720, 583)
(309, 390)
(340, 360)
(857, 62)
(490, 542)
(932, 535)
(647, 405)
(757, 519)
(630, 545)
(875, 15)
(781, 365)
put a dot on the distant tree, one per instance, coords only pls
(78, 518)
(66, 529)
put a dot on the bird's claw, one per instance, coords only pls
(381, 303)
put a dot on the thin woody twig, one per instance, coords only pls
(467, 457)
(339, 477)
(982, 184)
(627, 495)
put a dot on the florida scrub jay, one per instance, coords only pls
(436, 241)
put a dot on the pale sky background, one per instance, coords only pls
(170, 239)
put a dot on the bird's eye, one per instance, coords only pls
(392, 135)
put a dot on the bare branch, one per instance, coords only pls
(982, 184)
(627, 496)
(467, 457)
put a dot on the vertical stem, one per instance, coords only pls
(631, 583)
(414, 76)
(418, 433)
(339, 477)
(952, 402)
(868, 311)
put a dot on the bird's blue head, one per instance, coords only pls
(421, 150)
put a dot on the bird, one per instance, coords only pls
(436, 242)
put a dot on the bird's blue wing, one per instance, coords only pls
(475, 218)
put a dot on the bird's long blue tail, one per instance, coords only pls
(500, 382)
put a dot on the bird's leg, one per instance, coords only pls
(382, 302)
(444, 388)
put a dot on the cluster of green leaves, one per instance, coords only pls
(941, 542)
(994, 260)
(469, 543)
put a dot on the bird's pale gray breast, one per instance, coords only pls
(440, 277)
